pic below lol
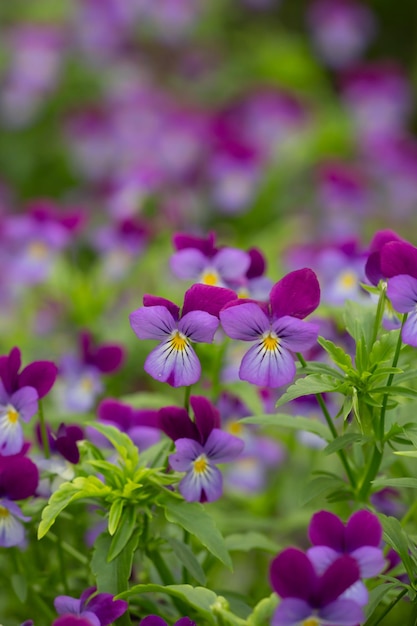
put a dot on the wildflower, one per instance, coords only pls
(200, 445)
(140, 424)
(373, 268)
(15, 408)
(94, 609)
(277, 328)
(18, 480)
(40, 374)
(174, 360)
(198, 259)
(310, 599)
(155, 620)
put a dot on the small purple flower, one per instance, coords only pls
(312, 599)
(202, 262)
(155, 620)
(64, 441)
(373, 269)
(360, 538)
(174, 360)
(402, 292)
(14, 408)
(200, 445)
(12, 532)
(97, 609)
(140, 424)
(277, 330)
(40, 374)
(19, 478)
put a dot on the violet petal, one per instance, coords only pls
(180, 368)
(291, 612)
(153, 322)
(246, 321)
(231, 263)
(267, 367)
(295, 334)
(199, 326)
(402, 291)
(343, 613)
(188, 264)
(186, 451)
(176, 424)
(149, 300)
(399, 257)
(222, 447)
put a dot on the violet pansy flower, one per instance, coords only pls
(174, 360)
(19, 478)
(311, 599)
(202, 262)
(15, 408)
(155, 620)
(40, 374)
(200, 446)
(373, 268)
(277, 329)
(96, 609)
(360, 539)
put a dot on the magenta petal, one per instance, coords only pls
(206, 416)
(402, 291)
(199, 326)
(297, 294)
(188, 264)
(244, 321)
(398, 257)
(152, 620)
(373, 268)
(111, 410)
(231, 263)
(106, 609)
(186, 451)
(19, 478)
(343, 613)
(326, 529)
(341, 574)
(291, 612)
(381, 238)
(257, 265)
(292, 575)
(295, 334)
(363, 529)
(267, 368)
(182, 241)
(108, 358)
(9, 367)
(73, 620)
(39, 374)
(184, 621)
(149, 300)
(153, 322)
(207, 298)
(179, 368)
(176, 424)
(222, 447)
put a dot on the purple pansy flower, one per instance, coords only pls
(360, 538)
(63, 441)
(40, 374)
(155, 620)
(373, 269)
(312, 599)
(15, 408)
(202, 262)
(97, 609)
(200, 445)
(402, 292)
(277, 329)
(19, 478)
(174, 360)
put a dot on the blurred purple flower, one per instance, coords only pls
(14, 408)
(310, 598)
(277, 329)
(97, 609)
(140, 424)
(200, 446)
(174, 360)
(373, 269)
(155, 620)
(120, 244)
(19, 478)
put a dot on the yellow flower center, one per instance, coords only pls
(270, 341)
(348, 280)
(235, 428)
(4, 512)
(178, 341)
(86, 384)
(12, 414)
(38, 250)
(200, 464)
(210, 277)
(311, 621)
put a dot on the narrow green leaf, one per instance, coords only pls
(186, 556)
(376, 595)
(337, 354)
(112, 576)
(199, 598)
(290, 421)
(312, 384)
(314, 367)
(407, 482)
(115, 514)
(343, 441)
(398, 390)
(243, 542)
(396, 537)
(156, 455)
(129, 522)
(119, 440)
(319, 486)
(359, 321)
(196, 520)
(263, 611)
(20, 587)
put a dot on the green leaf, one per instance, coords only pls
(20, 587)
(119, 440)
(314, 367)
(115, 514)
(186, 556)
(306, 386)
(343, 441)
(193, 517)
(199, 598)
(156, 455)
(337, 354)
(376, 595)
(319, 486)
(124, 532)
(397, 538)
(263, 611)
(79, 488)
(359, 322)
(243, 542)
(112, 576)
(290, 421)
(383, 349)
(397, 390)
(407, 482)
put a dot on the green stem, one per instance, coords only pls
(379, 314)
(332, 429)
(390, 379)
(44, 432)
(387, 609)
(187, 394)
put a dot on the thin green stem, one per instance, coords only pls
(379, 314)
(44, 432)
(187, 394)
(390, 379)
(387, 610)
(332, 429)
